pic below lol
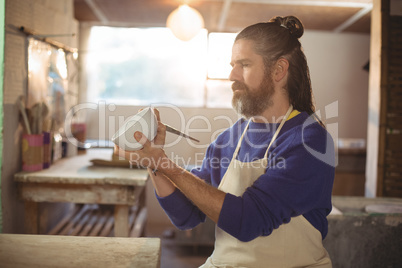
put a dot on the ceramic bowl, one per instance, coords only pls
(145, 121)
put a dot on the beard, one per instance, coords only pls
(252, 103)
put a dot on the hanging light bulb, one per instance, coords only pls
(185, 22)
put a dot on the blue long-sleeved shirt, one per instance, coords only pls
(298, 180)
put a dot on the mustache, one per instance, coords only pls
(239, 86)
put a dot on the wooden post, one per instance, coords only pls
(384, 18)
(121, 220)
(376, 128)
(31, 218)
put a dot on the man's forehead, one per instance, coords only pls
(244, 44)
(243, 48)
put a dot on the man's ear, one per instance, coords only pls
(281, 69)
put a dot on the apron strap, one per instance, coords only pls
(273, 137)
(240, 140)
(279, 129)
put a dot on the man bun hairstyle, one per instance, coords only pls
(291, 23)
(279, 38)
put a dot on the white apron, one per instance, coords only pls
(295, 244)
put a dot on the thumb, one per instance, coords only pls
(141, 138)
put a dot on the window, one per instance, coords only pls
(149, 65)
(219, 93)
(50, 72)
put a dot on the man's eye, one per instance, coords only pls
(245, 65)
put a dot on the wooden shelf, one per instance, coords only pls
(98, 220)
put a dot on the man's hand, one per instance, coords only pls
(152, 154)
(169, 176)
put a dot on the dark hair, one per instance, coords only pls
(277, 39)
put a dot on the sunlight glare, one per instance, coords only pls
(219, 54)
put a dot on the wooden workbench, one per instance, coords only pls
(71, 251)
(76, 180)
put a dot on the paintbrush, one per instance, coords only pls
(177, 132)
(21, 106)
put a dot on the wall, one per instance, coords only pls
(336, 65)
(44, 17)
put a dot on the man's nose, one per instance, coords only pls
(235, 74)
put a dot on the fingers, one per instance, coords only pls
(159, 140)
(158, 116)
(142, 139)
(128, 155)
(156, 111)
(134, 157)
(161, 130)
(148, 156)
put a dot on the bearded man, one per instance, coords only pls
(266, 214)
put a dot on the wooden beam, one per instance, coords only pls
(384, 21)
(224, 15)
(376, 128)
(344, 3)
(353, 19)
(96, 10)
(90, 194)
(37, 251)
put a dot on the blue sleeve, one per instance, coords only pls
(298, 184)
(180, 210)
